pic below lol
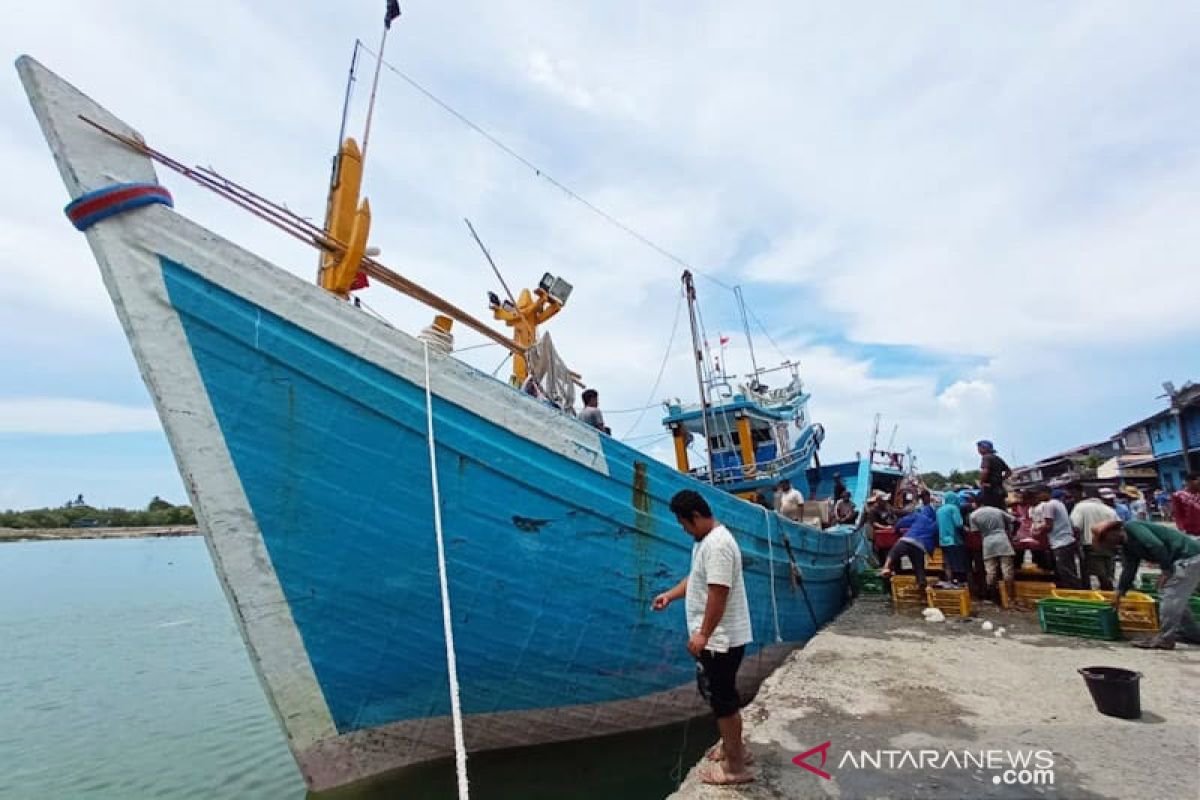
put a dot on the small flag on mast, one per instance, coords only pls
(393, 11)
(724, 340)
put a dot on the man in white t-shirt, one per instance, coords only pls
(788, 501)
(718, 621)
(1098, 561)
(1056, 524)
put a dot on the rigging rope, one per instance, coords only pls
(771, 568)
(763, 328)
(661, 367)
(460, 749)
(541, 173)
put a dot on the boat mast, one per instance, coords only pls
(393, 11)
(737, 292)
(689, 289)
(335, 171)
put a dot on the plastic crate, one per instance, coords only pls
(905, 591)
(952, 602)
(1193, 602)
(1139, 611)
(1148, 581)
(869, 582)
(1027, 591)
(935, 561)
(1085, 618)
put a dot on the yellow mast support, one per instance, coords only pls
(743, 426)
(679, 434)
(531, 310)
(347, 221)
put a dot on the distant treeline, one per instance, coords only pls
(77, 514)
(937, 481)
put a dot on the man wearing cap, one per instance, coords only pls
(1137, 504)
(992, 474)
(1177, 554)
(1098, 561)
(1056, 524)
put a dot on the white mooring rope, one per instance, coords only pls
(460, 749)
(771, 568)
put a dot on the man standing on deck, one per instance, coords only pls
(1056, 524)
(992, 474)
(718, 621)
(591, 411)
(1177, 554)
(1185, 505)
(788, 501)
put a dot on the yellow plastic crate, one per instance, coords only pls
(951, 602)
(904, 591)
(1031, 591)
(935, 561)
(1138, 611)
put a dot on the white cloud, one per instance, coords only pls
(67, 417)
(931, 177)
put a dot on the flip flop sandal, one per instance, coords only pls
(715, 775)
(1153, 644)
(717, 753)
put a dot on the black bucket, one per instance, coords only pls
(1115, 691)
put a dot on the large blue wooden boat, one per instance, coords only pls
(300, 428)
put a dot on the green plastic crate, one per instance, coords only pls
(1086, 618)
(1193, 601)
(1148, 583)
(869, 582)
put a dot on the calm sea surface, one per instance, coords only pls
(122, 675)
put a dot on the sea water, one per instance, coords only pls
(122, 675)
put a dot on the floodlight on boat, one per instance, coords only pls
(558, 289)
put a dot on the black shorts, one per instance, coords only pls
(716, 678)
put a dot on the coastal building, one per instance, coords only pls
(1173, 436)
(1077, 465)
(1156, 451)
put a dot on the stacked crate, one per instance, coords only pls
(1138, 611)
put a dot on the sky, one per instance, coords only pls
(976, 220)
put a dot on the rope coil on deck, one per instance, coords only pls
(92, 207)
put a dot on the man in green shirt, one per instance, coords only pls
(1177, 554)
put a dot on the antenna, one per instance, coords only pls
(488, 256)
(892, 441)
(737, 292)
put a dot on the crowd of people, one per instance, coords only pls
(1078, 535)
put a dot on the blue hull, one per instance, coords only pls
(552, 566)
(299, 427)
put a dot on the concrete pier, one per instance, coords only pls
(877, 685)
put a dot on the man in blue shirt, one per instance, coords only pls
(950, 537)
(919, 536)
